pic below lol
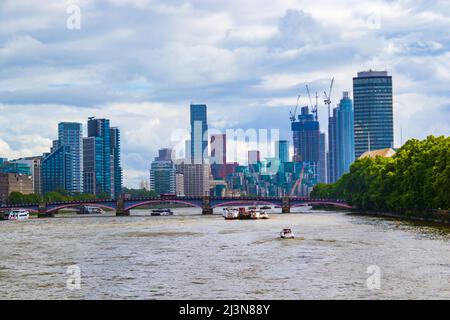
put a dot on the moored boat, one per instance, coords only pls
(18, 214)
(162, 212)
(230, 213)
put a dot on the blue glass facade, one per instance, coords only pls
(97, 157)
(56, 170)
(373, 115)
(14, 167)
(282, 150)
(116, 169)
(162, 177)
(341, 139)
(199, 129)
(71, 134)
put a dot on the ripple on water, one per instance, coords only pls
(194, 257)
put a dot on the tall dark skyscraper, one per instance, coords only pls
(116, 169)
(70, 134)
(341, 152)
(199, 129)
(373, 115)
(309, 146)
(97, 157)
(306, 137)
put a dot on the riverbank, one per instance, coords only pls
(432, 216)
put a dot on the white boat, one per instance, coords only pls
(256, 213)
(264, 215)
(230, 213)
(90, 210)
(162, 212)
(287, 234)
(18, 214)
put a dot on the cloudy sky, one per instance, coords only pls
(142, 62)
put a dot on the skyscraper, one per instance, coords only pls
(218, 149)
(165, 154)
(116, 169)
(332, 148)
(97, 157)
(282, 150)
(199, 129)
(345, 135)
(70, 134)
(306, 137)
(162, 177)
(373, 116)
(341, 139)
(56, 170)
(196, 178)
(322, 169)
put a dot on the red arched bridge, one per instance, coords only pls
(122, 206)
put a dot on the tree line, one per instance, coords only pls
(415, 179)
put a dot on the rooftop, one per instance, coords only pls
(386, 153)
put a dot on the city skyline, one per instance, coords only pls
(246, 63)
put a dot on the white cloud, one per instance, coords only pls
(141, 63)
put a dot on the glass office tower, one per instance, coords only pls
(199, 129)
(116, 169)
(341, 152)
(56, 170)
(70, 134)
(282, 150)
(373, 116)
(97, 157)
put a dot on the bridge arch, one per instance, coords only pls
(244, 202)
(160, 201)
(72, 205)
(331, 203)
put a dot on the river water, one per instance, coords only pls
(189, 256)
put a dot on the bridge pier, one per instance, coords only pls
(206, 206)
(120, 208)
(285, 205)
(42, 212)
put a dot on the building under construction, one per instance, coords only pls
(309, 150)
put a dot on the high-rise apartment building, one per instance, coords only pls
(97, 157)
(373, 115)
(116, 169)
(282, 150)
(218, 145)
(199, 132)
(341, 139)
(70, 134)
(196, 178)
(56, 170)
(162, 177)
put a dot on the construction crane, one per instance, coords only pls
(294, 114)
(328, 98)
(313, 107)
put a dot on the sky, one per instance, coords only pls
(141, 63)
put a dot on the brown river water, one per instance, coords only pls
(190, 256)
